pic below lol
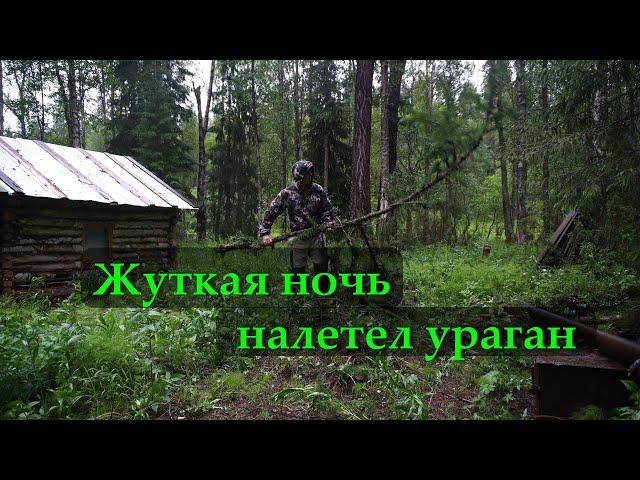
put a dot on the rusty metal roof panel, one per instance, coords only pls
(40, 169)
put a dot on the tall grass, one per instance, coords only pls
(449, 276)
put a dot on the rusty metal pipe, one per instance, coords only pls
(623, 350)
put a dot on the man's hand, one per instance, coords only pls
(329, 227)
(266, 240)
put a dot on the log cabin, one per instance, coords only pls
(64, 208)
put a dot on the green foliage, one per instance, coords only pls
(500, 385)
(233, 190)
(440, 275)
(590, 412)
(402, 390)
(72, 362)
(236, 384)
(327, 116)
(150, 115)
(632, 411)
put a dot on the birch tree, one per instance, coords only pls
(521, 161)
(203, 128)
(256, 137)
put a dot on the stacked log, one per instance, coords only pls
(45, 238)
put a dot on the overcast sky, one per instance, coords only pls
(477, 75)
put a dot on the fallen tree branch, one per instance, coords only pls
(309, 232)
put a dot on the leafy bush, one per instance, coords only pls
(630, 412)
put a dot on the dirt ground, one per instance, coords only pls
(453, 397)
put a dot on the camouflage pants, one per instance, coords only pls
(313, 248)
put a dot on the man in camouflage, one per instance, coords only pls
(307, 205)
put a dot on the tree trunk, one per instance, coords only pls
(256, 137)
(396, 71)
(1, 101)
(429, 72)
(546, 208)
(506, 198)
(203, 127)
(598, 140)
(283, 158)
(409, 230)
(283, 151)
(383, 184)
(360, 201)
(230, 160)
(41, 115)
(82, 115)
(297, 113)
(351, 97)
(600, 109)
(452, 223)
(103, 95)
(21, 111)
(390, 84)
(326, 162)
(521, 165)
(217, 218)
(303, 103)
(74, 113)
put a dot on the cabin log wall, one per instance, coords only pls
(44, 238)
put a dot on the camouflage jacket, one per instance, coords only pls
(303, 210)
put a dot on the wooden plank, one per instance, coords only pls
(128, 225)
(43, 231)
(42, 248)
(81, 212)
(53, 267)
(25, 259)
(557, 235)
(140, 240)
(139, 246)
(49, 241)
(48, 222)
(127, 233)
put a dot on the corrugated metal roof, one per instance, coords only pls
(39, 169)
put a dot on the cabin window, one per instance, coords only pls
(97, 241)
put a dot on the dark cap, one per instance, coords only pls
(300, 168)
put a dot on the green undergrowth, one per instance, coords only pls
(443, 276)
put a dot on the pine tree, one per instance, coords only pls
(149, 116)
(327, 131)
